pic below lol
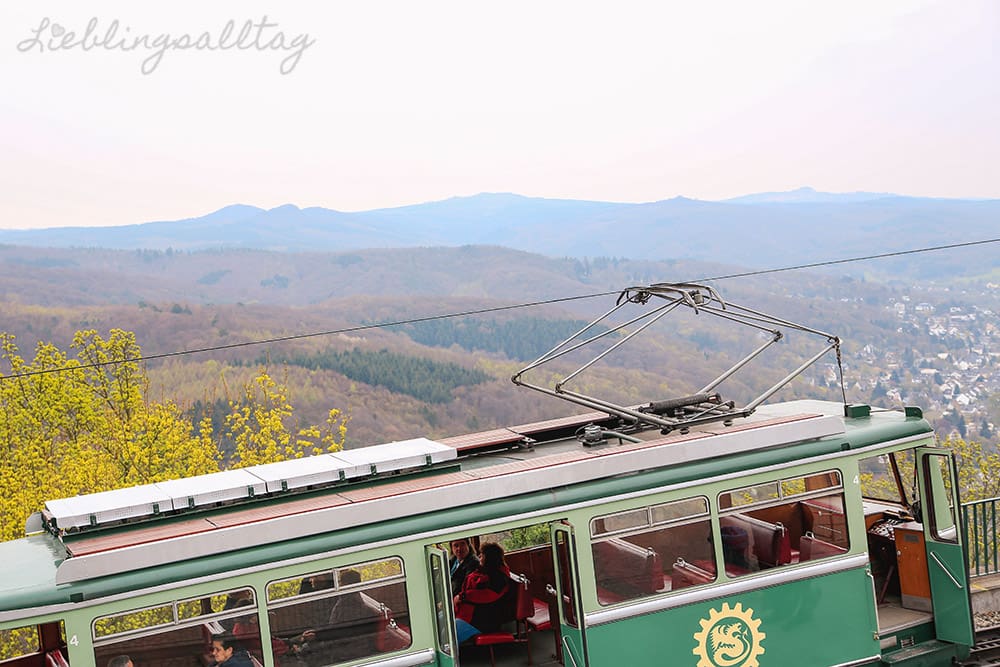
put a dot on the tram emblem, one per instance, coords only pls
(729, 637)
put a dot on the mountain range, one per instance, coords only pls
(758, 230)
(216, 283)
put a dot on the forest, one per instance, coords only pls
(424, 379)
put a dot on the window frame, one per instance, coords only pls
(176, 622)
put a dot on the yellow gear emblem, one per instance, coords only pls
(730, 637)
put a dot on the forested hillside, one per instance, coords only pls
(252, 356)
(438, 376)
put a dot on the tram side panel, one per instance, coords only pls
(815, 621)
(767, 566)
(732, 572)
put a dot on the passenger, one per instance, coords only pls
(247, 630)
(317, 582)
(348, 607)
(354, 622)
(463, 563)
(319, 610)
(735, 545)
(238, 599)
(227, 652)
(120, 661)
(477, 606)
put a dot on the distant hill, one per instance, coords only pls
(80, 277)
(808, 195)
(759, 230)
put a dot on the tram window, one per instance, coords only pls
(749, 495)
(18, 642)
(679, 509)
(348, 613)
(213, 604)
(615, 523)
(888, 477)
(514, 539)
(179, 632)
(34, 644)
(132, 621)
(652, 550)
(941, 513)
(173, 612)
(782, 522)
(439, 576)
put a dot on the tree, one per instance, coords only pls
(879, 392)
(984, 429)
(260, 426)
(82, 425)
(978, 470)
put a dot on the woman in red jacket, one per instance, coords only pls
(478, 606)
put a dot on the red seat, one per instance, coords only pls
(811, 547)
(771, 542)
(524, 609)
(625, 571)
(392, 636)
(685, 574)
(56, 659)
(539, 620)
(491, 638)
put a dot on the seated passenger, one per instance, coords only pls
(351, 619)
(477, 606)
(317, 582)
(463, 563)
(240, 598)
(247, 630)
(227, 652)
(349, 607)
(735, 546)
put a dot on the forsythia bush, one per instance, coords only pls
(83, 423)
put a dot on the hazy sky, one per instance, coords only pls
(385, 103)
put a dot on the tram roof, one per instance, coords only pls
(42, 569)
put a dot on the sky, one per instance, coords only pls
(116, 112)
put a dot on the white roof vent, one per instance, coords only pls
(396, 456)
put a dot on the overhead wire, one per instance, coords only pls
(478, 311)
(849, 260)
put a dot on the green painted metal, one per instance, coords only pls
(929, 654)
(28, 570)
(570, 616)
(827, 620)
(790, 621)
(946, 561)
(880, 427)
(444, 617)
(979, 532)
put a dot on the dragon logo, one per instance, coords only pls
(729, 637)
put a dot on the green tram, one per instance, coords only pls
(686, 532)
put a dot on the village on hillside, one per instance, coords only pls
(952, 375)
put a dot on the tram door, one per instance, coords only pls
(567, 592)
(444, 616)
(946, 559)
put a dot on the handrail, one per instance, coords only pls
(979, 533)
(944, 567)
